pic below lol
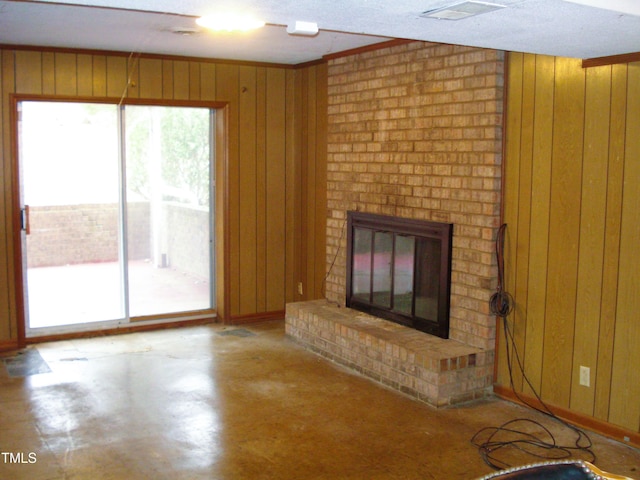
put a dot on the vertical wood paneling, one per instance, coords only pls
(167, 79)
(7, 304)
(48, 73)
(99, 76)
(150, 78)
(262, 150)
(276, 188)
(293, 253)
(227, 91)
(520, 245)
(132, 71)
(84, 67)
(540, 210)
(262, 117)
(194, 81)
(66, 74)
(208, 82)
(612, 240)
(181, 76)
(511, 194)
(28, 72)
(248, 205)
(299, 213)
(566, 170)
(592, 225)
(307, 200)
(307, 176)
(625, 403)
(117, 77)
(582, 265)
(312, 180)
(319, 255)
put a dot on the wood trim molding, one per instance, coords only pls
(7, 345)
(256, 317)
(216, 105)
(369, 48)
(221, 227)
(156, 56)
(311, 63)
(138, 55)
(611, 60)
(609, 430)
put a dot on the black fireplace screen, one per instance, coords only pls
(400, 269)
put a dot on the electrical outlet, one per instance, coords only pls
(300, 288)
(585, 376)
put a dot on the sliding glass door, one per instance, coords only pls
(118, 213)
(169, 192)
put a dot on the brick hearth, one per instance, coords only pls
(434, 370)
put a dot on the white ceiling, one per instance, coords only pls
(571, 28)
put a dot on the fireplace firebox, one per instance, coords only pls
(400, 269)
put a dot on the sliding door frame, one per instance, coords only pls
(220, 228)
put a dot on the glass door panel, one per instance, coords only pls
(70, 181)
(168, 156)
(403, 272)
(428, 281)
(361, 272)
(382, 254)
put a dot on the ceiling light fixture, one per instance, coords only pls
(461, 10)
(308, 29)
(229, 22)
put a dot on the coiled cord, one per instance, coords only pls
(516, 434)
(501, 302)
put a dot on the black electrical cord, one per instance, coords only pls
(501, 302)
(509, 435)
(323, 287)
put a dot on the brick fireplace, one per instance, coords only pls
(415, 132)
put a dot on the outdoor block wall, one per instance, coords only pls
(189, 241)
(87, 233)
(414, 130)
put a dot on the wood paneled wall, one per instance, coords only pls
(275, 155)
(572, 206)
(313, 181)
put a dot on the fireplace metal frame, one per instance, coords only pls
(441, 232)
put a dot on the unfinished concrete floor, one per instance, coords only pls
(224, 402)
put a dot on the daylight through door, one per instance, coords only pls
(118, 213)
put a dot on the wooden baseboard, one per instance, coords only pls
(256, 317)
(609, 430)
(9, 345)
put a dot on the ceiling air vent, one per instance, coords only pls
(461, 10)
(185, 31)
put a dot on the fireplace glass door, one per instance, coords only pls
(399, 269)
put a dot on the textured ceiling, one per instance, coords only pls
(577, 28)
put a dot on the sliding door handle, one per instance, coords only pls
(24, 219)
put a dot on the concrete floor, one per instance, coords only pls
(225, 402)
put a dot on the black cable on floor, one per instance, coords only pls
(512, 434)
